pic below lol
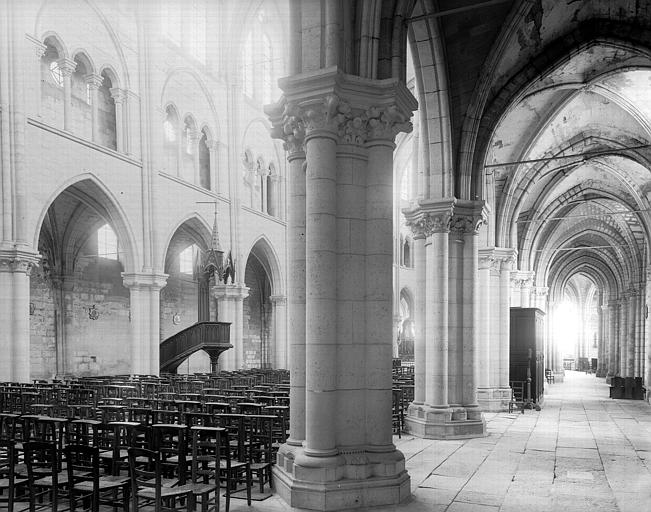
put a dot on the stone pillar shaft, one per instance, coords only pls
(379, 292)
(279, 331)
(436, 322)
(296, 294)
(230, 304)
(613, 368)
(67, 67)
(15, 268)
(505, 320)
(470, 331)
(144, 305)
(419, 320)
(321, 294)
(623, 335)
(631, 335)
(484, 352)
(119, 97)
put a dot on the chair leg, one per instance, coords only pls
(249, 484)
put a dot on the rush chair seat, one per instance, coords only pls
(204, 479)
(43, 473)
(234, 466)
(260, 433)
(146, 470)
(10, 483)
(85, 483)
(169, 440)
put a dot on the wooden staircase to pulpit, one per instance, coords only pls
(212, 337)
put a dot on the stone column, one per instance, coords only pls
(623, 335)
(279, 316)
(67, 67)
(34, 74)
(230, 308)
(613, 367)
(119, 97)
(492, 396)
(604, 332)
(450, 318)
(213, 148)
(647, 337)
(485, 363)
(94, 82)
(419, 320)
(436, 356)
(193, 141)
(468, 217)
(144, 305)
(15, 268)
(507, 261)
(631, 332)
(347, 459)
(291, 128)
(378, 296)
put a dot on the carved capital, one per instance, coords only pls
(143, 281)
(278, 300)
(119, 95)
(67, 66)
(488, 260)
(522, 278)
(506, 258)
(428, 223)
(288, 126)
(18, 261)
(387, 122)
(94, 81)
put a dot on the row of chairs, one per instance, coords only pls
(40, 452)
(38, 475)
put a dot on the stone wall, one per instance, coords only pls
(93, 341)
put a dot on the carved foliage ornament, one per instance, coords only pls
(466, 224)
(352, 126)
(428, 223)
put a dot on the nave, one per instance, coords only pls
(582, 452)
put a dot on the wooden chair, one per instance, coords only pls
(9, 481)
(145, 468)
(44, 477)
(234, 466)
(261, 460)
(85, 482)
(169, 440)
(204, 479)
(398, 413)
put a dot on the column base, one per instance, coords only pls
(345, 481)
(431, 423)
(559, 376)
(494, 399)
(609, 378)
(601, 372)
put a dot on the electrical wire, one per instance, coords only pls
(580, 156)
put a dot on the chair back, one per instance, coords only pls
(41, 458)
(82, 463)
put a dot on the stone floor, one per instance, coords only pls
(581, 452)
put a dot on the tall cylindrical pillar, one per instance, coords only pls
(436, 322)
(419, 318)
(379, 289)
(321, 293)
